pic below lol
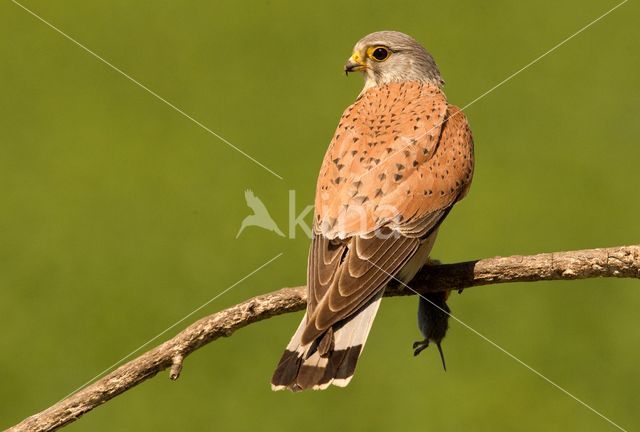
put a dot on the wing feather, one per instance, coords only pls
(400, 159)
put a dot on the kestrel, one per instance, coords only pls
(400, 159)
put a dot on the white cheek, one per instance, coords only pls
(369, 80)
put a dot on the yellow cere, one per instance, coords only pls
(356, 58)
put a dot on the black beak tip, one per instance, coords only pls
(351, 67)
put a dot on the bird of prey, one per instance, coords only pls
(400, 159)
(260, 217)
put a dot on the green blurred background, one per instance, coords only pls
(119, 215)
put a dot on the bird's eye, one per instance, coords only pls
(379, 53)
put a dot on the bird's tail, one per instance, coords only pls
(330, 359)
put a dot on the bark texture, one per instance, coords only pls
(621, 262)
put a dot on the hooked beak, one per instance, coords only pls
(354, 64)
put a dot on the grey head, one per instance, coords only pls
(390, 56)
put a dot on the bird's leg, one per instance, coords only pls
(433, 262)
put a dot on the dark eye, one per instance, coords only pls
(380, 54)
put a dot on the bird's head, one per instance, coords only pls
(389, 56)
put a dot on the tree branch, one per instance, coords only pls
(621, 262)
